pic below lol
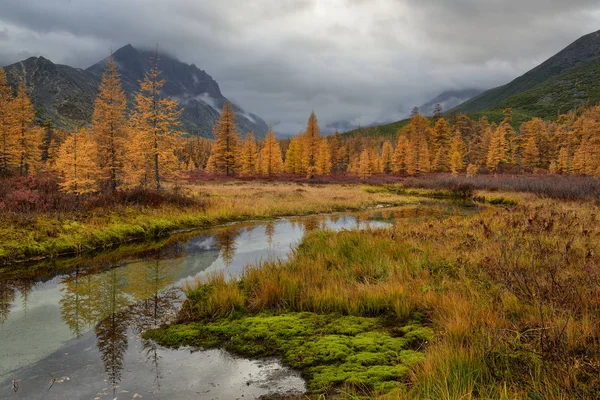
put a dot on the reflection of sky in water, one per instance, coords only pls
(253, 245)
(38, 335)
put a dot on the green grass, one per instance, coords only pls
(29, 237)
(334, 352)
(560, 94)
(386, 130)
(510, 294)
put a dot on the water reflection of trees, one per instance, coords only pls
(311, 224)
(225, 239)
(153, 301)
(136, 297)
(270, 232)
(8, 293)
(111, 339)
(77, 302)
(9, 289)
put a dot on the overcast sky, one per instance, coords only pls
(349, 60)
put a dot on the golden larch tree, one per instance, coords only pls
(7, 135)
(323, 165)
(154, 126)
(26, 135)
(293, 157)
(342, 158)
(487, 134)
(440, 137)
(412, 157)
(423, 157)
(365, 164)
(354, 165)
(386, 157)
(51, 141)
(225, 150)
(399, 156)
(311, 144)
(76, 164)
(472, 170)
(582, 163)
(531, 154)
(110, 127)
(369, 162)
(457, 154)
(536, 128)
(337, 150)
(563, 164)
(498, 151)
(271, 162)
(249, 156)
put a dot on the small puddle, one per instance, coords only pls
(76, 334)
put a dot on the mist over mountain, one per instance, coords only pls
(448, 100)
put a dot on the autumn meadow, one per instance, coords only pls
(474, 274)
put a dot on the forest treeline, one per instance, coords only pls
(141, 146)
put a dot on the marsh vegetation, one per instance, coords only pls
(501, 304)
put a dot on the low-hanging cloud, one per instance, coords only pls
(349, 60)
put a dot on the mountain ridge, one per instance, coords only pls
(65, 95)
(449, 99)
(575, 55)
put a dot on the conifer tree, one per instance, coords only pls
(271, 162)
(365, 164)
(399, 158)
(249, 156)
(110, 127)
(513, 142)
(457, 151)
(323, 166)
(386, 157)
(536, 129)
(498, 151)
(336, 149)
(51, 141)
(485, 132)
(211, 168)
(311, 143)
(343, 158)
(441, 161)
(225, 150)
(472, 170)
(563, 165)
(440, 136)
(293, 157)
(582, 159)
(154, 123)
(423, 162)
(412, 157)
(76, 164)
(531, 154)
(7, 137)
(354, 165)
(26, 135)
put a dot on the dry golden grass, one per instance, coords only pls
(27, 236)
(513, 294)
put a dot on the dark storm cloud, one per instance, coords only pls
(352, 60)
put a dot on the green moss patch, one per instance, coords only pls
(332, 351)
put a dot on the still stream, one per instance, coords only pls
(75, 334)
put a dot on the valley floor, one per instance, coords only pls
(503, 304)
(34, 235)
